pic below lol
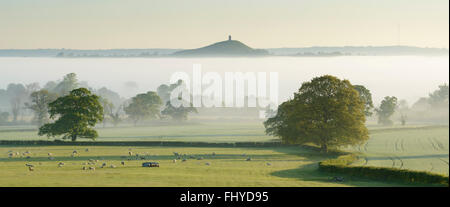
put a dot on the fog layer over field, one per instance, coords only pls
(407, 77)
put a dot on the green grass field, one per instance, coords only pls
(194, 132)
(416, 148)
(289, 166)
(413, 147)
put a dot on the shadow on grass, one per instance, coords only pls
(310, 172)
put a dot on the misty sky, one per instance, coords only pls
(105, 24)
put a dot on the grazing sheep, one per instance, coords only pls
(75, 152)
(86, 150)
(60, 164)
(29, 165)
(31, 168)
(91, 168)
(112, 166)
(174, 160)
(130, 153)
(249, 159)
(49, 154)
(104, 165)
(208, 163)
(268, 164)
(122, 163)
(84, 168)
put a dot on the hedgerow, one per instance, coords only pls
(342, 165)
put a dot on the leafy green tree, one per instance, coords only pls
(440, 97)
(366, 97)
(144, 106)
(39, 101)
(165, 90)
(178, 113)
(77, 113)
(386, 110)
(325, 111)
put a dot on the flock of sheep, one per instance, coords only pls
(91, 163)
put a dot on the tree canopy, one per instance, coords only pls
(325, 111)
(76, 114)
(386, 110)
(178, 113)
(39, 104)
(144, 106)
(366, 97)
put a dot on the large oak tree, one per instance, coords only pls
(326, 111)
(76, 114)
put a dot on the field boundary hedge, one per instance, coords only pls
(342, 164)
(141, 143)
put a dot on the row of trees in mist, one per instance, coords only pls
(25, 104)
(28, 103)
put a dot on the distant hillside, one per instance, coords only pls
(224, 48)
(350, 50)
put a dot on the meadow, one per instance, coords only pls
(423, 148)
(284, 166)
(416, 147)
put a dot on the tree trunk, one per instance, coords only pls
(74, 138)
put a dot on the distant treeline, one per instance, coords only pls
(306, 51)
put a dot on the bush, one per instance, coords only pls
(342, 165)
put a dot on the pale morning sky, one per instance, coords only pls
(105, 24)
